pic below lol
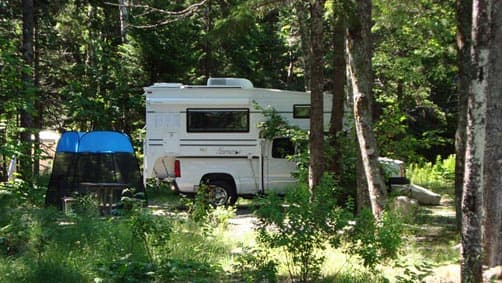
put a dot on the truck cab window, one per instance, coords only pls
(301, 111)
(282, 147)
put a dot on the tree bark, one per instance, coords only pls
(302, 17)
(362, 194)
(316, 136)
(359, 47)
(360, 184)
(207, 44)
(39, 107)
(464, 23)
(27, 79)
(124, 20)
(492, 226)
(472, 199)
(337, 108)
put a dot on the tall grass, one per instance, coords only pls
(60, 248)
(48, 246)
(438, 176)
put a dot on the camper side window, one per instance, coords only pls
(282, 148)
(301, 111)
(218, 120)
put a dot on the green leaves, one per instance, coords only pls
(415, 64)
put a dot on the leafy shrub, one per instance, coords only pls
(26, 194)
(189, 270)
(371, 240)
(200, 207)
(390, 231)
(436, 176)
(255, 265)
(135, 247)
(51, 270)
(301, 226)
(8, 201)
(128, 269)
(153, 232)
(201, 210)
(417, 273)
(218, 217)
(85, 206)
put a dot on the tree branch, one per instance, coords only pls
(172, 16)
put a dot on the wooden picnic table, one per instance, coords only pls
(107, 194)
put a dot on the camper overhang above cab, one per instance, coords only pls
(211, 83)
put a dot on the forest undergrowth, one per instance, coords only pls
(177, 239)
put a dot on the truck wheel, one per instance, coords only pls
(221, 193)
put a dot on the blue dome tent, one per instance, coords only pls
(98, 157)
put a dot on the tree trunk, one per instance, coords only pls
(38, 111)
(208, 51)
(362, 194)
(302, 16)
(464, 19)
(124, 20)
(472, 199)
(316, 137)
(337, 108)
(359, 47)
(492, 232)
(3, 158)
(90, 55)
(27, 78)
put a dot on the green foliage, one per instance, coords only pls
(374, 241)
(417, 273)
(138, 248)
(219, 216)
(152, 231)
(347, 146)
(181, 270)
(212, 219)
(143, 247)
(8, 201)
(85, 206)
(275, 126)
(53, 270)
(390, 231)
(87, 78)
(301, 226)
(305, 222)
(14, 235)
(19, 219)
(415, 67)
(439, 175)
(255, 265)
(127, 269)
(27, 194)
(79, 246)
(200, 208)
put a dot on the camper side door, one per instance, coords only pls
(277, 167)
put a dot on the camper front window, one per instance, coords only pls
(218, 120)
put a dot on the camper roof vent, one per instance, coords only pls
(235, 82)
(169, 85)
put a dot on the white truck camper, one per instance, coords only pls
(208, 134)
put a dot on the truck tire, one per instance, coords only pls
(222, 193)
